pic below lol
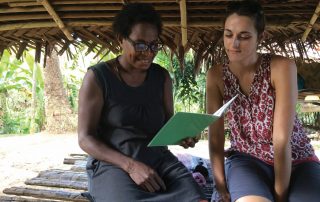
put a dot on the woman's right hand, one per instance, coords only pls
(225, 197)
(224, 194)
(145, 176)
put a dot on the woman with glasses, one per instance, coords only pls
(270, 158)
(122, 104)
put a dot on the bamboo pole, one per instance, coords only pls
(107, 23)
(63, 175)
(183, 14)
(14, 3)
(311, 23)
(102, 14)
(92, 7)
(8, 198)
(56, 18)
(11, 1)
(25, 3)
(117, 7)
(82, 185)
(38, 16)
(45, 193)
(293, 3)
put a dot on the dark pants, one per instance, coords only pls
(110, 183)
(247, 175)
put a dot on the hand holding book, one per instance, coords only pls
(184, 125)
(190, 141)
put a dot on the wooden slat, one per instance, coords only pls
(77, 154)
(66, 2)
(57, 174)
(72, 160)
(78, 6)
(79, 166)
(21, 3)
(6, 198)
(58, 183)
(45, 193)
(166, 23)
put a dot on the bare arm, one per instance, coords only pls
(168, 98)
(90, 108)
(214, 92)
(284, 80)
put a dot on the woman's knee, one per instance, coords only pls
(253, 199)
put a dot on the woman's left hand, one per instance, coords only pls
(189, 142)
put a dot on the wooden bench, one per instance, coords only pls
(54, 184)
(67, 185)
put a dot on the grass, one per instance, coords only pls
(12, 135)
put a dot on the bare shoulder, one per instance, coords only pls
(280, 63)
(214, 88)
(90, 82)
(282, 70)
(89, 75)
(214, 74)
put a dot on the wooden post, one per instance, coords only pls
(183, 14)
(311, 23)
(56, 18)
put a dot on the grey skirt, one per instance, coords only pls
(110, 183)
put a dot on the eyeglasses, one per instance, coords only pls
(141, 46)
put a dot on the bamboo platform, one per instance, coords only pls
(67, 185)
(53, 185)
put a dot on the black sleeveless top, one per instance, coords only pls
(131, 116)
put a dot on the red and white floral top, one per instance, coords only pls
(250, 118)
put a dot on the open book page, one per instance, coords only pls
(186, 124)
(222, 109)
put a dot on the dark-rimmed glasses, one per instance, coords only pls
(141, 46)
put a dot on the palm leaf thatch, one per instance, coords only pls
(188, 24)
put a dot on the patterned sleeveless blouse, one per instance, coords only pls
(250, 118)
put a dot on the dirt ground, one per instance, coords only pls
(23, 157)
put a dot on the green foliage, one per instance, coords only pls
(189, 89)
(75, 69)
(310, 120)
(16, 117)
(16, 84)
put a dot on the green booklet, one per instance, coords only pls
(185, 124)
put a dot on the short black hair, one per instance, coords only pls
(132, 14)
(251, 9)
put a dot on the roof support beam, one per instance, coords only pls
(183, 14)
(311, 23)
(196, 24)
(56, 18)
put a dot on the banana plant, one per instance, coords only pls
(9, 70)
(16, 92)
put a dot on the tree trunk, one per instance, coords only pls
(59, 115)
(33, 127)
(3, 108)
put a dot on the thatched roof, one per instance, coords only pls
(39, 24)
